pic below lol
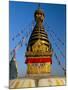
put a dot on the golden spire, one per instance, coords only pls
(38, 32)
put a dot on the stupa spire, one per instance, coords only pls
(39, 51)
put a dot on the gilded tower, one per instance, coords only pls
(39, 50)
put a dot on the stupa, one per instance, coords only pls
(39, 49)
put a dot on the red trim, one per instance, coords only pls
(38, 60)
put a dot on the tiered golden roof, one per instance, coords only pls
(38, 41)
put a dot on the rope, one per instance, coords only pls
(20, 33)
(59, 63)
(57, 46)
(53, 33)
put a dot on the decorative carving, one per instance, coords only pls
(38, 68)
(39, 47)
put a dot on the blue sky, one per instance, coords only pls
(21, 15)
